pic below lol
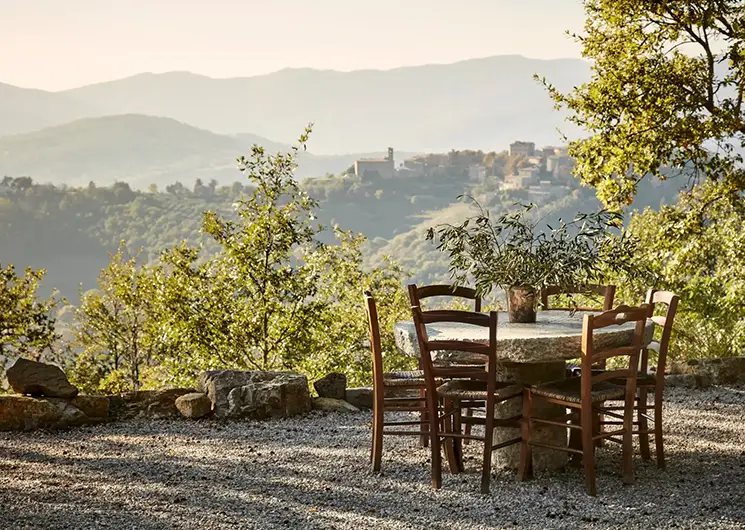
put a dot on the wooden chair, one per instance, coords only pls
(416, 295)
(608, 292)
(467, 389)
(647, 382)
(384, 382)
(583, 395)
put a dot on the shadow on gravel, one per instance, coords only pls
(257, 475)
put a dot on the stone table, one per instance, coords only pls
(528, 354)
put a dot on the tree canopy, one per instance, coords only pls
(665, 96)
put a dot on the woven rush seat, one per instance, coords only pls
(403, 378)
(570, 390)
(471, 390)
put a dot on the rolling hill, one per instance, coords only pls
(477, 104)
(24, 109)
(141, 150)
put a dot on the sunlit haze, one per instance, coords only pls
(55, 45)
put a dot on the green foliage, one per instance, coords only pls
(340, 333)
(665, 99)
(667, 86)
(511, 252)
(272, 297)
(26, 322)
(704, 263)
(114, 327)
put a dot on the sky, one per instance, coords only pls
(60, 44)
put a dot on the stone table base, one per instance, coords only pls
(530, 373)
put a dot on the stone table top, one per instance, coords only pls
(555, 336)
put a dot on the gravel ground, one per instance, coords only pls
(313, 473)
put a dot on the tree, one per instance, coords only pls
(665, 97)
(26, 322)
(273, 297)
(115, 328)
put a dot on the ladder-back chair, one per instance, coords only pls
(655, 383)
(416, 295)
(462, 390)
(583, 395)
(387, 382)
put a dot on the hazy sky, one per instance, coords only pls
(58, 44)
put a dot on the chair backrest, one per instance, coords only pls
(427, 346)
(417, 294)
(375, 344)
(590, 355)
(670, 300)
(608, 292)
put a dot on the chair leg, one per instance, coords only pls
(588, 448)
(458, 442)
(469, 414)
(434, 441)
(597, 426)
(488, 443)
(424, 418)
(525, 468)
(575, 442)
(658, 442)
(376, 454)
(628, 440)
(449, 428)
(643, 424)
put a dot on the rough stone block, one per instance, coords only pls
(194, 405)
(270, 396)
(360, 397)
(333, 385)
(333, 405)
(39, 379)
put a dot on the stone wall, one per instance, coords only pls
(701, 373)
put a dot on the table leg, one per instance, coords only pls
(530, 373)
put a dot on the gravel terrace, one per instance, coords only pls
(313, 473)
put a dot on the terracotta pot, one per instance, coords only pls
(521, 302)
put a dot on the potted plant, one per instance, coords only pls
(512, 253)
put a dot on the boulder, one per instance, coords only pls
(717, 370)
(39, 379)
(333, 385)
(288, 395)
(687, 380)
(360, 397)
(333, 405)
(275, 396)
(194, 405)
(21, 413)
(152, 404)
(96, 407)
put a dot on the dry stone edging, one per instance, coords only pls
(39, 379)
(150, 404)
(701, 373)
(360, 397)
(256, 394)
(23, 413)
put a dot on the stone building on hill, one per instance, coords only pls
(371, 168)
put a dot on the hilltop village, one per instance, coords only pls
(540, 171)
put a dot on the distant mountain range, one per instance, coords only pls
(92, 132)
(142, 150)
(478, 103)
